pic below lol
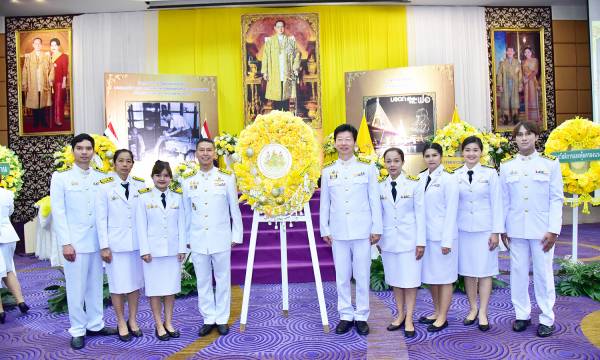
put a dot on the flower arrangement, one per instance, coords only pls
(14, 180)
(102, 161)
(225, 144)
(577, 134)
(44, 206)
(180, 171)
(277, 196)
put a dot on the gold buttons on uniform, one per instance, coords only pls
(526, 210)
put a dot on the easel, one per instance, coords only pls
(281, 222)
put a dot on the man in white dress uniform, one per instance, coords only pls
(350, 221)
(213, 226)
(72, 197)
(532, 189)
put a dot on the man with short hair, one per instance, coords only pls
(36, 77)
(72, 197)
(213, 226)
(350, 222)
(510, 83)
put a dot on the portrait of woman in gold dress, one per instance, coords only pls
(531, 85)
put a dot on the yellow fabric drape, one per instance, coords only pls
(352, 38)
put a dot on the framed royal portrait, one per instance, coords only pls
(281, 66)
(519, 81)
(44, 82)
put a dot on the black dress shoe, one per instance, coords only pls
(521, 325)
(2, 317)
(223, 329)
(425, 320)
(468, 322)
(392, 327)
(206, 329)
(77, 342)
(105, 331)
(125, 338)
(544, 330)
(343, 327)
(135, 333)
(483, 328)
(23, 308)
(362, 328)
(163, 337)
(409, 334)
(174, 334)
(433, 328)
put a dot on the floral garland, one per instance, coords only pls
(577, 134)
(225, 144)
(102, 161)
(286, 195)
(14, 180)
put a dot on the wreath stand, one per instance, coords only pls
(281, 222)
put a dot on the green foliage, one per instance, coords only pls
(57, 303)
(378, 275)
(188, 278)
(579, 279)
(459, 285)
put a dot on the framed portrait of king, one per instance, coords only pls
(44, 82)
(281, 65)
(519, 77)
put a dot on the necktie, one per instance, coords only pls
(126, 186)
(394, 191)
(470, 173)
(164, 200)
(428, 181)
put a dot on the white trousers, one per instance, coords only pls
(213, 305)
(352, 258)
(84, 278)
(543, 279)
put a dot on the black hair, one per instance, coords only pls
(55, 40)
(160, 166)
(528, 125)
(281, 21)
(119, 152)
(343, 128)
(37, 38)
(398, 150)
(435, 146)
(206, 140)
(82, 137)
(471, 140)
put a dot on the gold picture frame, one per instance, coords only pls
(519, 86)
(44, 63)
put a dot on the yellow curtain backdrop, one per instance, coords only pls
(352, 38)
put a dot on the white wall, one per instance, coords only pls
(569, 12)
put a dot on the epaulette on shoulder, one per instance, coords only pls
(178, 191)
(328, 164)
(225, 171)
(145, 190)
(413, 178)
(488, 166)
(363, 160)
(548, 156)
(138, 179)
(107, 180)
(382, 179)
(449, 171)
(189, 174)
(64, 169)
(100, 170)
(507, 159)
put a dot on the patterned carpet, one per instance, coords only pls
(41, 335)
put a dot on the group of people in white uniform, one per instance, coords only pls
(429, 229)
(442, 224)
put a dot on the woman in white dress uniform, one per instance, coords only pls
(403, 241)
(8, 243)
(440, 262)
(480, 223)
(161, 233)
(115, 220)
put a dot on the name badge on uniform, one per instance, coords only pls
(194, 185)
(542, 172)
(333, 175)
(219, 182)
(74, 183)
(513, 172)
(362, 173)
(484, 181)
(174, 206)
(136, 195)
(382, 197)
(434, 185)
(406, 196)
(151, 206)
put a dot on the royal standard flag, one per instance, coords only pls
(365, 145)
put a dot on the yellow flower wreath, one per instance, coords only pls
(285, 195)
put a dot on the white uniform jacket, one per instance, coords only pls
(7, 206)
(532, 190)
(350, 208)
(480, 205)
(72, 198)
(115, 214)
(212, 212)
(160, 230)
(404, 219)
(441, 206)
